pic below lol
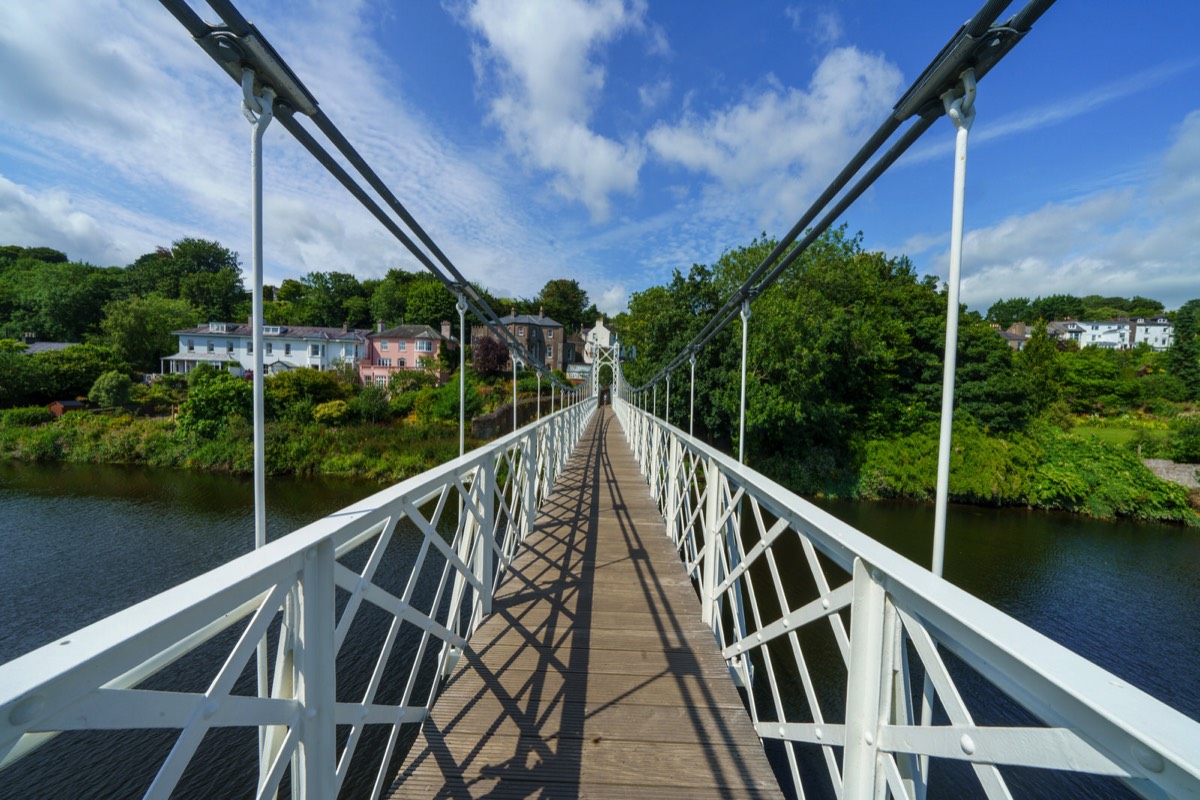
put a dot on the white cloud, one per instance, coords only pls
(546, 81)
(781, 144)
(821, 25)
(32, 219)
(652, 95)
(1122, 242)
(613, 300)
(126, 135)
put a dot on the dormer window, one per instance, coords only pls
(217, 327)
(272, 330)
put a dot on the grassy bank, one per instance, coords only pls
(384, 452)
(1045, 468)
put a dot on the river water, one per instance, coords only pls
(83, 541)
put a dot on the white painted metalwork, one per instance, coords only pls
(94, 678)
(259, 111)
(960, 107)
(461, 305)
(692, 398)
(891, 621)
(745, 315)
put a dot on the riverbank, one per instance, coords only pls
(1047, 469)
(1044, 469)
(381, 452)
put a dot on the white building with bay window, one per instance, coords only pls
(230, 346)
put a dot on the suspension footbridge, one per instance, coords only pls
(597, 604)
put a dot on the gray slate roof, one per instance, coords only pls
(290, 331)
(529, 319)
(409, 332)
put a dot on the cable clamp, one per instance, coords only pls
(959, 102)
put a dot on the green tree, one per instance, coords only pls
(57, 301)
(140, 329)
(565, 302)
(1039, 362)
(429, 303)
(112, 388)
(163, 271)
(1005, 312)
(1183, 359)
(215, 295)
(330, 299)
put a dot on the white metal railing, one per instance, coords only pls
(732, 528)
(90, 679)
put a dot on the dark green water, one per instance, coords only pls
(83, 541)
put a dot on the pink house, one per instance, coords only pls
(404, 347)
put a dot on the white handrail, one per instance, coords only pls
(728, 521)
(88, 680)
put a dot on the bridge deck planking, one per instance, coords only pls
(594, 677)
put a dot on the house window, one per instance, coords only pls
(383, 344)
(401, 346)
(191, 346)
(385, 362)
(210, 347)
(314, 350)
(249, 345)
(520, 330)
(229, 346)
(401, 363)
(267, 351)
(424, 346)
(381, 380)
(287, 348)
(550, 351)
(550, 334)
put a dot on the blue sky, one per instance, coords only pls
(615, 140)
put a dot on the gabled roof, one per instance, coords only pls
(410, 332)
(529, 319)
(285, 331)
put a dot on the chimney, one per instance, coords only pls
(512, 311)
(346, 326)
(446, 329)
(379, 326)
(29, 337)
(541, 311)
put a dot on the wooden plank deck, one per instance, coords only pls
(594, 676)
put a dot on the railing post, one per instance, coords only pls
(692, 403)
(487, 536)
(864, 684)
(673, 489)
(712, 548)
(529, 490)
(317, 773)
(461, 305)
(961, 111)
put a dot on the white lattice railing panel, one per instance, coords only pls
(352, 620)
(862, 666)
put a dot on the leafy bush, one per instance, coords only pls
(112, 388)
(371, 404)
(335, 412)
(286, 388)
(213, 403)
(1185, 443)
(410, 380)
(25, 417)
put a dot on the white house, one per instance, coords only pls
(1116, 334)
(230, 345)
(595, 339)
(1158, 332)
